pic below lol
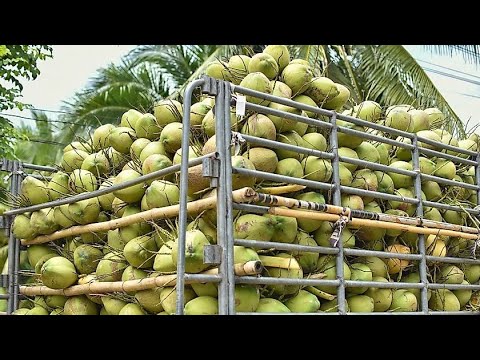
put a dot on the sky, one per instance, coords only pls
(73, 65)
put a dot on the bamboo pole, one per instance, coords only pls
(320, 293)
(338, 210)
(278, 262)
(241, 195)
(371, 223)
(98, 287)
(284, 189)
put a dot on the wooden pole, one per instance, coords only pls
(279, 262)
(284, 189)
(98, 287)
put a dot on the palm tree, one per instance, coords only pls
(387, 74)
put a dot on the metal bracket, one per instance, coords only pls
(212, 254)
(4, 281)
(211, 169)
(7, 165)
(210, 86)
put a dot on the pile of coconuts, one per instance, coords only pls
(145, 142)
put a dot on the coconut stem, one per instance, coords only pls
(319, 293)
(98, 287)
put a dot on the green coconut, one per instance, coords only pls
(240, 181)
(208, 122)
(101, 136)
(168, 111)
(77, 145)
(121, 138)
(290, 138)
(148, 127)
(382, 298)
(337, 102)
(247, 298)
(347, 140)
(280, 53)
(321, 89)
(130, 118)
(58, 185)
(254, 227)
(168, 297)
(133, 193)
(377, 266)
(428, 134)
(317, 169)
(202, 305)
(43, 260)
(324, 232)
(58, 311)
(368, 152)
(454, 217)
(112, 306)
(238, 68)
(420, 120)
(467, 144)
(209, 230)
(399, 119)
(21, 227)
(259, 82)
(37, 310)
(403, 301)
(415, 278)
(427, 166)
(263, 159)
(58, 273)
(154, 147)
(34, 190)
(198, 112)
(368, 110)
(260, 126)
(205, 289)
(361, 304)
(82, 181)
(297, 77)
(433, 214)
(159, 194)
(365, 179)
(450, 274)
(354, 202)
(332, 306)
(444, 300)
(97, 164)
(218, 70)
(383, 152)
(303, 302)
(242, 255)
(307, 260)
(435, 116)
(327, 264)
(280, 89)
(132, 309)
(472, 273)
(290, 167)
(86, 258)
(43, 222)
(315, 141)
(445, 169)
(111, 267)
(269, 305)
(400, 180)
(385, 183)
(264, 63)
(36, 252)
(463, 295)
(150, 299)
(432, 190)
(193, 153)
(359, 272)
(139, 252)
(284, 124)
(284, 228)
(307, 224)
(307, 100)
(409, 208)
(72, 160)
(349, 153)
(84, 211)
(171, 137)
(294, 272)
(194, 244)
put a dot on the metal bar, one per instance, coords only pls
(37, 176)
(337, 201)
(381, 254)
(371, 125)
(282, 178)
(285, 247)
(375, 166)
(383, 285)
(453, 158)
(454, 286)
(16, 278)
(278, 145)
(228, 252)
(12, 241)
(39, 167)
(448, 182)
(377, 195)
(263, 280)
(446, 146)
(452, 260)
(182, 216)
(450, 207)
(477, 176)
(453, 313)
(107, 190)
(200, 278)
(373, 137)
(421, 238)
(251, 208)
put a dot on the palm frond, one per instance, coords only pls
(470, 53)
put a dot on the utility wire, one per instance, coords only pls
(447, 68)
(452, 76)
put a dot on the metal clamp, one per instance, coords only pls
(210, 86)
(212, 254)
(339, 225)
(4, 281)
(7, 165)
(211, 169)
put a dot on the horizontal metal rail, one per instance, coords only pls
(443, 155)
(284, 281)
(376, 195)
(39, 167)
(448, 182)
(285, 247)
(375, 166)
(450, 207)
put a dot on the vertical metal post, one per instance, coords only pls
(182, 216)
(337, 201)
(12, 244)
(17, 177)
(228, 253)
(421, 238)
(477, 177)
(223, 154)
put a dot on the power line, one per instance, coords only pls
(447, 68)
(50, 142)
(30, 118)
(453, 76)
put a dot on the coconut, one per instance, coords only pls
(420, 120)
(396, 265)
(264, 63)
(254, 227)
(259, 82)
(377, 266)
(133, 193)
(427, 166)
(280, 89)
(307, 260)
(307, 100)
(150, 299)
(58, 273)
(284, 228)
(198, 112)
(82, 181)
(298, 77)
(280, 53)
(400, 180)
(450, 274)
(415, 278)
(240, 181)
(55, 301)
(202, 305)
(432, 190)
(385, 183)
(324, 232)
(196, 181)
(208, 122)
(332, 306)
(106, 200)
(218, 70)
(34, 190)
(284, 124)
(303, 302)
(154, 147)
(435, 116)
(101, 136)
(209, 230)
(242, 255)
(293, 272)
(37, 310)
(86, 258)
(112, 306)
(269, 305)
(382, 298)
(359, 272)
(130, 118)
(84, 211)
(111, 267)
(193, 153)
(315, 141)
(454, 217)
(348, 153)
(77, 145)
(428, 134)
(58, 185)
(263, 159)
(72, 160)
(338, 101)
(168, 297)
(361, 304)
(168, 111)
(365, 179)
(290, 167)
(317, 169)
(402, 153)
(444, 300)
(139, 251)
(43, 222)
(121, 138)
(171, 137)
(347, 140)
(21, 227)
(307, 224)
(290, 138)
(132, 309)
(97, 164)
(399, 119)
(472, 273)
(403, 301)
(383, 152)
(368, 152)
(327, 265)
(205, 289)
(148, 127)
(238, 68)
(43, 260)
(445, 169)
(194, 244)
(393, 232)
(368, 110)
(36, 252)
(467, 145)
(247, 298)
(354, 202)
(156, 162)
(321, 89)
(260, 126)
